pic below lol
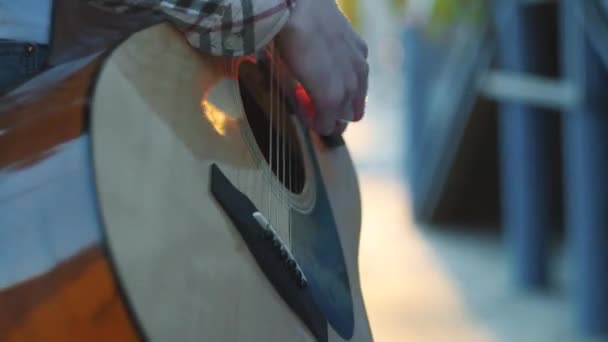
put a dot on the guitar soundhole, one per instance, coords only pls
(268, 115)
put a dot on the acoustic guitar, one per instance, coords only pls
(155, 193)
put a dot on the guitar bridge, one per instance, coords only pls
(274, 259)
(284, 253)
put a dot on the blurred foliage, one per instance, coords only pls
(350, 8)
(447, 13)
(398, 6)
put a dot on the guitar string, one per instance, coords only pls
(243, 173)
(232, 73)
(284, 188)
(249, 174)
(304, 130)
(278, 145)
(256, 191)
(260, 167)
(289, 175)
(243, 121)
(239, 181)
(278, 152)
(274, 141)
(234, 172)
(271, 138)
(281, 140)
(284, 137)
(277, 169)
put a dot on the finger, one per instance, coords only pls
(331, 92)
(306, 110)
(320, 89)
(326, 122)
(360, 68)
(361, 45)
(347, 111)
(364, 48)
(328, 103)
(346, 108)
(358, 106)
(358, 45)
(351, 90)
(340, 127)
(323, 128)
(360, 97)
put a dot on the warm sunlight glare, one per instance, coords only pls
(217, 118)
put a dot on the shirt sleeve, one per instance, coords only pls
(228, 27)
(217, 27)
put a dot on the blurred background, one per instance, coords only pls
(482, 163)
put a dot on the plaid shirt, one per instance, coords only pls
(217, 27)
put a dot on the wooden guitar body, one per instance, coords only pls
(197, 207)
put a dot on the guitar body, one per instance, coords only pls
(204, 210)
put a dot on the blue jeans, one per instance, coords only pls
(20, 62)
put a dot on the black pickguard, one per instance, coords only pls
(316, 247)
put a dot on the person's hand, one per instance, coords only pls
(329, 58)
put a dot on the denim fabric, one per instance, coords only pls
(20, 62)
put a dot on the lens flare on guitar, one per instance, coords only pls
(218, 119)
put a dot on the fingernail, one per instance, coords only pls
(358, 116)
(324, 128)
(340, 127)
(358, 110)
(349, 115)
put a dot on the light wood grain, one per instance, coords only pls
(185, 268)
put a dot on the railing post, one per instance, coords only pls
(586, 171)
(527, 171)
